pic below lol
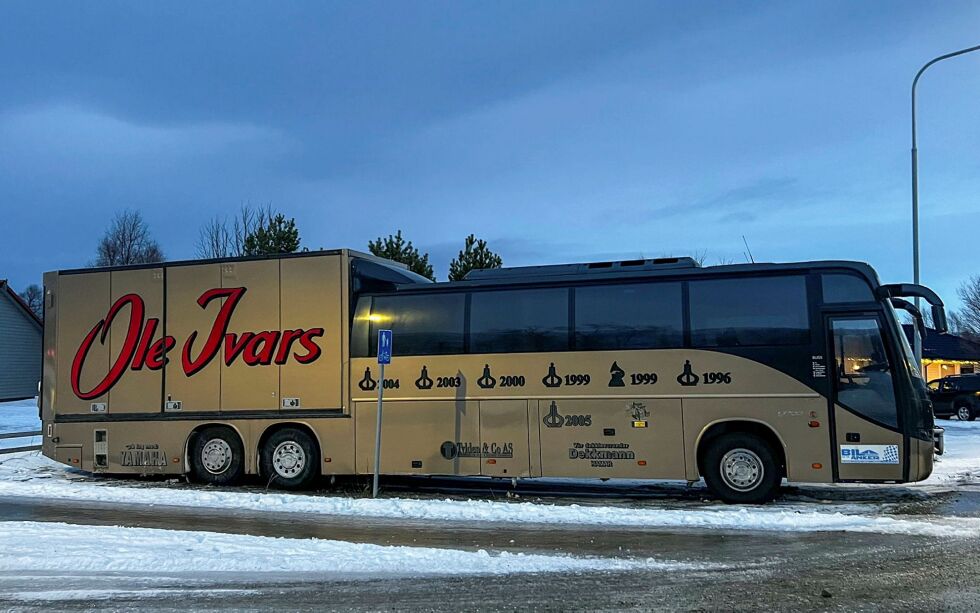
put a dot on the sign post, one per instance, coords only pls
(384, 357)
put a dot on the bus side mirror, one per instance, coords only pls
(920, 291)
(916, 314)
(939, 319)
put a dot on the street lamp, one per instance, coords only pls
(915, 191)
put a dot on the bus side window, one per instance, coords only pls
(845, 288)
(629, 316)
(749, 311)
(422, 324)
(519, 320)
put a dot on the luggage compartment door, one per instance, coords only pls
(504, 438)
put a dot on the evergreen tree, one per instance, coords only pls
(474, 256)
(273, 234)
(396, 249)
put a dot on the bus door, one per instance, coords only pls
(869, 445)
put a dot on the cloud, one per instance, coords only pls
(71, 140)
(741, 203)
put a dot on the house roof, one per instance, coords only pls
(10, 294)
(937, 346)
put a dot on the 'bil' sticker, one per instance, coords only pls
(869, 454)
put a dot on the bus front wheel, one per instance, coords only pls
(741, 468)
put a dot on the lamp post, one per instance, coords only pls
(915, 189)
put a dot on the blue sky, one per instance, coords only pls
(558, 131)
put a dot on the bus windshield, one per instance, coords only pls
(907, 354)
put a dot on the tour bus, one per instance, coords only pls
(743, 375)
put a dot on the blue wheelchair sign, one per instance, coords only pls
(384, 346)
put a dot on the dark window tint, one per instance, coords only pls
(845, 288)
(749, 311)
(519, 320)
(633, 316)
(428, 324)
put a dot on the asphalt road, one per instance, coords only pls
(773, 571)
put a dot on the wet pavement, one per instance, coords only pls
(728, 547)
(772, 570)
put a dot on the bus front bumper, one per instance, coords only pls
(939, 440)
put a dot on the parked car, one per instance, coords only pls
(956, 395)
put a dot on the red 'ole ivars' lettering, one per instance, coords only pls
(139, 349)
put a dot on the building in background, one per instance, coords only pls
(947, 354)
(20, 346)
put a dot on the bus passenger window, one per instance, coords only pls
(629, 316)
(749, 311)
(845, 288)
(519, 320)
(864, 378)
(422, 324)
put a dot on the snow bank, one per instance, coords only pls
(26, 547)
(29, 475)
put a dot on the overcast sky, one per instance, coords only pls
(558, 131)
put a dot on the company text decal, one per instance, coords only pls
(869, 454)
(140, 351)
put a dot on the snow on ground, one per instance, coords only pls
(961, 461)
(19, 416)
(25, 547)
(31, 475)
(88, 595)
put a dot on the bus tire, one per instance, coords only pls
(741, 468)
(217, 456)
(289, 459)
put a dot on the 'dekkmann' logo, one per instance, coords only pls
(139, 350)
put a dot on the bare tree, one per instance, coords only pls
(33, 296)
(214, 240)
(224, 238)
(127, 241)
(966, 320)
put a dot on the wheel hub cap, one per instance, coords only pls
(963, 413)
(288, 459)
(216, 456)
(742, 469)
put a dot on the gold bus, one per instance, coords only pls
(650, 369)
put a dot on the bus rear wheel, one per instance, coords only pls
(741, 468)
(217, 456)
(289, 459)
